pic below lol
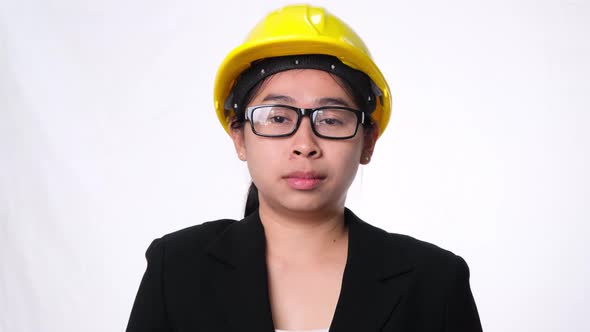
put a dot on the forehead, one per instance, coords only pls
(304, 85)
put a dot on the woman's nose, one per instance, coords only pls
(305, 141)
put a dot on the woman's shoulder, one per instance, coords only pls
(410, 247)
(415, 248)
(410, 251)
(427, 259)
(203, 230)
(192, 239)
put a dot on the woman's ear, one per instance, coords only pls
(237, 136)
(369, 140)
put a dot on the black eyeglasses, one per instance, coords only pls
(335, 122)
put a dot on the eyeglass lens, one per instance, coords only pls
(281, 121)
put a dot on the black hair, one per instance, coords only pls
(252, 202)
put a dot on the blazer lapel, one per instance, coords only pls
(375, 279)
(240, 277)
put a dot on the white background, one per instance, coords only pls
(108, 139)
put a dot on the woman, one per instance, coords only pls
(304, 105)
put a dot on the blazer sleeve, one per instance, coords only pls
(149, 309)
(461, 311)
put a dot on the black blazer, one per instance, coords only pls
(213, 277)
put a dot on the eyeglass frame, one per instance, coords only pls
(302, 112)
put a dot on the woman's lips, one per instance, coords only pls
(304, 180)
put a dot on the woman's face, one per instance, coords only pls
(302, 172)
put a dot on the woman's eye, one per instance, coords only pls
(331, 122)
(278, 119)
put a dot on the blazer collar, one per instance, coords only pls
(372, 285)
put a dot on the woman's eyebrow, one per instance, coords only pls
(278, 98)
(333, 101)
(325, 101)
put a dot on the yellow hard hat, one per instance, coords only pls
(300, 30)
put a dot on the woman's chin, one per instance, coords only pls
(306, 205)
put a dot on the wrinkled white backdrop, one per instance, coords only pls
(108, 139)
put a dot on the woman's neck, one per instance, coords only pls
(304, 238)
